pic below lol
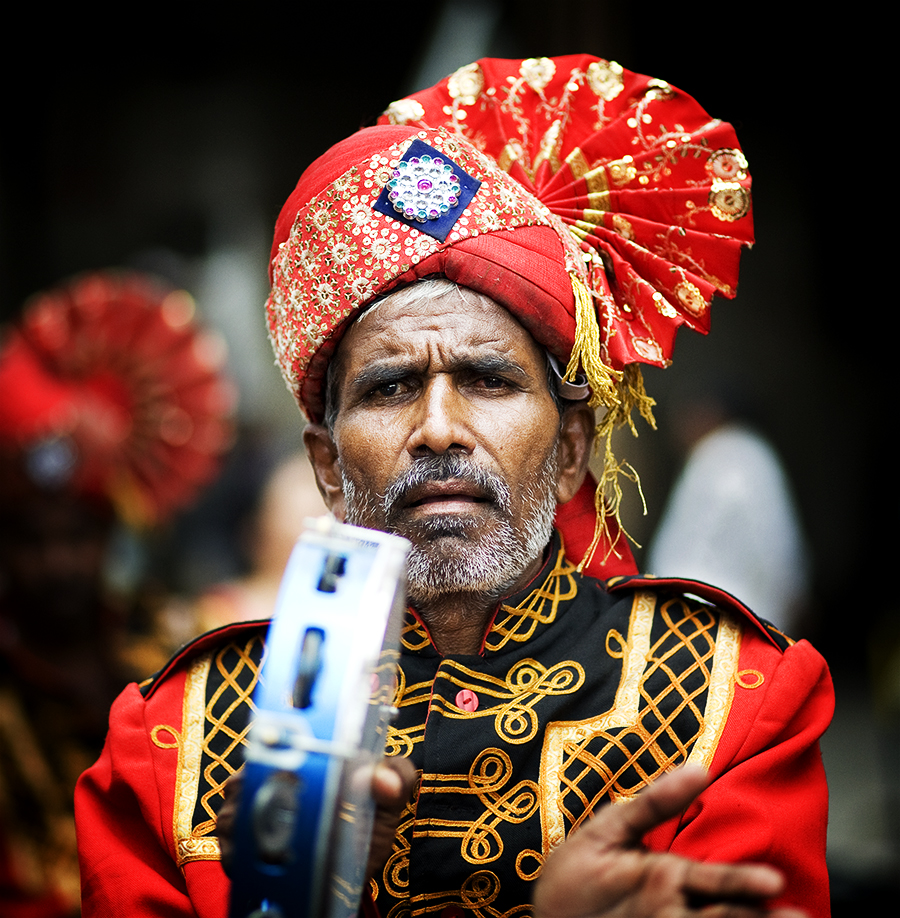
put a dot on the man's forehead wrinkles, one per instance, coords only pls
(446, 357)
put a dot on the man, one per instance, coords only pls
(453, 293)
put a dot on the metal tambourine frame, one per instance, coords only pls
(322, 704)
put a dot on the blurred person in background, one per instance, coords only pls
(289, 495)
(113, 412)
(731, 518)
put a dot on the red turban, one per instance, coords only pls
(603, 208)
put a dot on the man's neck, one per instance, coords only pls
(457, 622)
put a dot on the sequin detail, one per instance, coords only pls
(423, 188)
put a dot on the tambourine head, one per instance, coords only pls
(323, 704)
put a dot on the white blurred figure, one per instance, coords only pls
(731, 520)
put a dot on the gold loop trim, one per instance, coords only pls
(154, 735)
(740, 678)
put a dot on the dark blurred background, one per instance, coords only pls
(169, 144)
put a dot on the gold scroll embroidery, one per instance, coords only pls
(480, 840)
(476, 896)
(540, 607)
(526, 683)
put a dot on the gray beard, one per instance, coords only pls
(453, 555)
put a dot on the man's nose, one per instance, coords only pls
(441, 421)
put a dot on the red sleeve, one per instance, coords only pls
(125, 805)
(126, 869)
(768, 800)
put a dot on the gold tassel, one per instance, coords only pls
(631, 394)
(586, 352)
(608, 500)
(620, 392)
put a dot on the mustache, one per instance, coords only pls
(446, 467)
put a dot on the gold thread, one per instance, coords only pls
(526, 684)
(609, 495)
(549, 148)
(529, 875)
(154, 736)
(620, 392)
(740, 678)
(520, 622)
(586, 351)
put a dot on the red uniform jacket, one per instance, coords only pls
(583, 692)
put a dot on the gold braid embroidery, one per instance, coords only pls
(200, 726)
(527, 682)
(220, 769)
(756, 680)
(476, 896)
(629, 746)
(401, 742)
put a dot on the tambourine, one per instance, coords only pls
(323, 703)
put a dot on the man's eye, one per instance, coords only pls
(493, 382)
(389, 389)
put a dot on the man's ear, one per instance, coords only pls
(576, 437)
(323, 457)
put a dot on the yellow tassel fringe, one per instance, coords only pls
(619, 392)
(603, 380)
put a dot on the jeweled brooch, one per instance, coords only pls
(427, 190)
(424, 188)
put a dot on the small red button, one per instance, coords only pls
(466, 700)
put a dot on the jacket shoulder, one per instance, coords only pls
(705, 592)
(211, 640)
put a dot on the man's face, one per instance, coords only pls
(446, 433)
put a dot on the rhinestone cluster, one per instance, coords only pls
(423, 188)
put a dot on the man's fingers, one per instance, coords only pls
(392, 785)
(393, 781)
(226, 819)
(732, 881)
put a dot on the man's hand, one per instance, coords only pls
(226, 819)
(602, 870)
(392, 785)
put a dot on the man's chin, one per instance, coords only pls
(440, 526)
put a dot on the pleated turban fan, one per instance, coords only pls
(601, 207)
(112, 390)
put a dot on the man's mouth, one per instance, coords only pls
(447, 486)
(445, 497)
